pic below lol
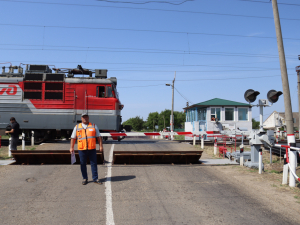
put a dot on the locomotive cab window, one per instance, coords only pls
(100, 93)
(109, 92)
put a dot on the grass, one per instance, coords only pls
(179, 137)
(5, 136)
(4, 151)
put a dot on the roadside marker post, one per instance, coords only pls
(241, 155)
(215, 146)
(23, 141)
(202, 142)
(270, 156)
(9, 148)
(260, 161)
(194, 140)
(285, 171)
(32, 138)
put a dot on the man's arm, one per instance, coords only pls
(72, 145)
(9, 132)
(100, 143)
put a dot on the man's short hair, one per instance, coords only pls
(12, 118)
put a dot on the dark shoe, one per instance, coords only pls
(97, 181)
(85, 181)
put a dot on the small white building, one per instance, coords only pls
(218, 114)
(277, 120)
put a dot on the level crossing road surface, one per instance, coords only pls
(135, 194)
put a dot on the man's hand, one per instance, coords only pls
(72, 150)
(7, 132)
(101, 148)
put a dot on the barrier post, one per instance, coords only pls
(271, 156)
(260, 161)
(215, 145)
(32, 138)
(285, 171)
(202, 142)
(241, 155)
(292, 159)
(194, 139)
(23, 141)
(9, 148)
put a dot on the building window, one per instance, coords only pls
(229, 114)
(243, 114)
(215, 113)
(201, 113)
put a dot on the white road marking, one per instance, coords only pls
(108, 193)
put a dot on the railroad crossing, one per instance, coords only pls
(139, 194)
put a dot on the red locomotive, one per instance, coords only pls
(51, 103)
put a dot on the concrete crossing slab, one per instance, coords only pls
(218, 162)
(6, 162)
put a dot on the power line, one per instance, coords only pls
(152, 64)
(146, 50)
(144, 30)
(150, 52)
(203, 79)
(255, 1)
(148, 9)
(142, 86)
(184, 96)
(146, 2)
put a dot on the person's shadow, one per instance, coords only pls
(117, 178)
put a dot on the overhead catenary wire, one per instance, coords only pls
(145, 50)
(144, 30)
(147, 9)
(146, 2)
(269, 2)
(193, 80)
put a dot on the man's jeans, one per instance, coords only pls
(14, 143)
(83, 154)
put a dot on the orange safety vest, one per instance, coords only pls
(86, 138)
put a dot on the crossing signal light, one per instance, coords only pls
(273, 95)
(250, 95)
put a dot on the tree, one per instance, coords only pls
(152, 120)
(137, 123)
(255, 124)
(162, 119)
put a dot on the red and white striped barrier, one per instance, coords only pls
(190, 134)
(287, 157)
(138, 134)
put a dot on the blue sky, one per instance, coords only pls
(219, 49)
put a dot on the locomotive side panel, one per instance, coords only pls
(64, 113)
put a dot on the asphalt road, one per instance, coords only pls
(132, 194)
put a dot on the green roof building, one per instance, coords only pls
(218, 114)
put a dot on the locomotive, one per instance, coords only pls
(50, 101)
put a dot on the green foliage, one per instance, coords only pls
(255, 124)
(137, 123)
(154, 118)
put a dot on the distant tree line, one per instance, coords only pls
(161, 119)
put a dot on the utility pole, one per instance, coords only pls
(172, 112)
(298, 77)
(286, 94)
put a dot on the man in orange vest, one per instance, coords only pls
(86, 135)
